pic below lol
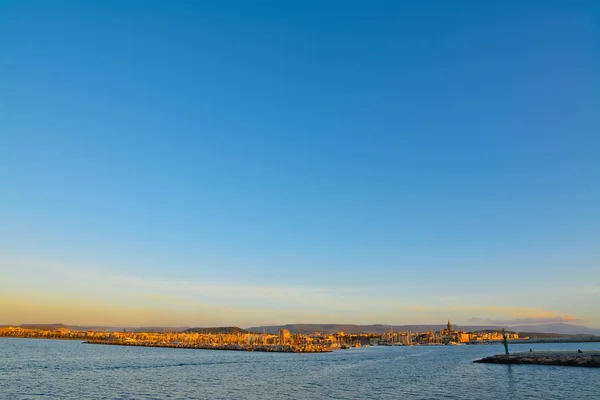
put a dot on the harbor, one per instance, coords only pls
(280, 339)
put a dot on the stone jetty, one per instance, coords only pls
(226, 346)
(588, 358)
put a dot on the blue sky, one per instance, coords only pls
(246, 163)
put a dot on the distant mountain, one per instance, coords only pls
(559, 328)
(348, 328)
(214, 330)
(157, 329)
(52, 327)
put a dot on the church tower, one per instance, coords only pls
(449, 326)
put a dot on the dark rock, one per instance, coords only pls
(568, 358)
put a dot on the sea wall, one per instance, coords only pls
(228, 346)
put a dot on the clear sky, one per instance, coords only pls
(246, 163)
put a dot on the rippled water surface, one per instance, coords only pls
(35, 369)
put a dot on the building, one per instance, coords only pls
(284, 336)
(448, 331)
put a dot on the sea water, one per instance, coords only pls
(45, 369)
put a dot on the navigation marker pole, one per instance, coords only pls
(505, 340)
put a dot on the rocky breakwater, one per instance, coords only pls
(227, 346)
(590, 359)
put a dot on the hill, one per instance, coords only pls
(348, 328)
(559, 327)
(52, 327)
(157, 329)
(556, 328)
(214, 330)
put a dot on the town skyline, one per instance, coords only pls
(282, 340)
